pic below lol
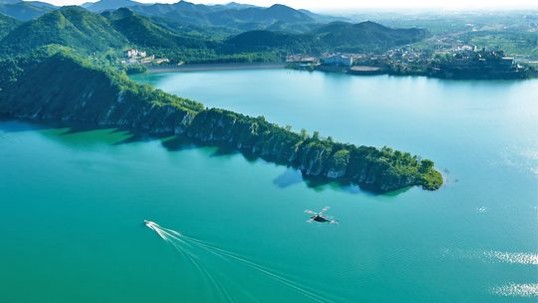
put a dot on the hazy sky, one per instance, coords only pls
(346, 4)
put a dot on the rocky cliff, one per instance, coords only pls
(380, 170)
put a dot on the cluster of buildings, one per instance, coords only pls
(460, 61)
(495, 57)
(135, 56)
(340, 60)
(337, 60)
(401, 55)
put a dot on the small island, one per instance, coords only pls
(33, 88)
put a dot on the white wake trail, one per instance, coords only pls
(262, 269)
(175, 238)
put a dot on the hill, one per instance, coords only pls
(366, 36)
(262, 40)
(262, 16)
(69, 26)
(143, 32)
(42, 4)
(181, 12)
(93, 96)
(336, 36)
(25, 11)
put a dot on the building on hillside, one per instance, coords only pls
(134, 53)
(302, 61)
(337, 60)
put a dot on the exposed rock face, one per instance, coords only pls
(63, 89)
(379, 170)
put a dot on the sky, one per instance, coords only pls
(356, 4)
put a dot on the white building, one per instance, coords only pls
(134, 53)
(338, 60)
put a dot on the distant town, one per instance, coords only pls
(467, 61)
(462, 62)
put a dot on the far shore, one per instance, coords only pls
(214, 67)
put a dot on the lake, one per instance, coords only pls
(73, 202)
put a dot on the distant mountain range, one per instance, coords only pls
(104, 5)
(366, 36)
(79, 28)
(336, 36)
(25, 10)
(232, 16)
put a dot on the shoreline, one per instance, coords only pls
(214, 67)
(201, 67)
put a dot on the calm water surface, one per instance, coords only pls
(73, 202)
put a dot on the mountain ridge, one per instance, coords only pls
(26, 10)
(70, 26)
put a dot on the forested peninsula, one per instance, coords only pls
(55, 84)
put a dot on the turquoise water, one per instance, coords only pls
(73, 202)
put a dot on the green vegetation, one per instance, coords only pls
(515, 43)
(336, 36)
(263, 40)
(93, 34)
(7, 24)
(378, 170)
(478, 65)
(143, 32)
(132, 69)
(71, 26)
(232, 17)
(366, 36)
(37, 89)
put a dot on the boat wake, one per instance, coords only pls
(185, 245)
